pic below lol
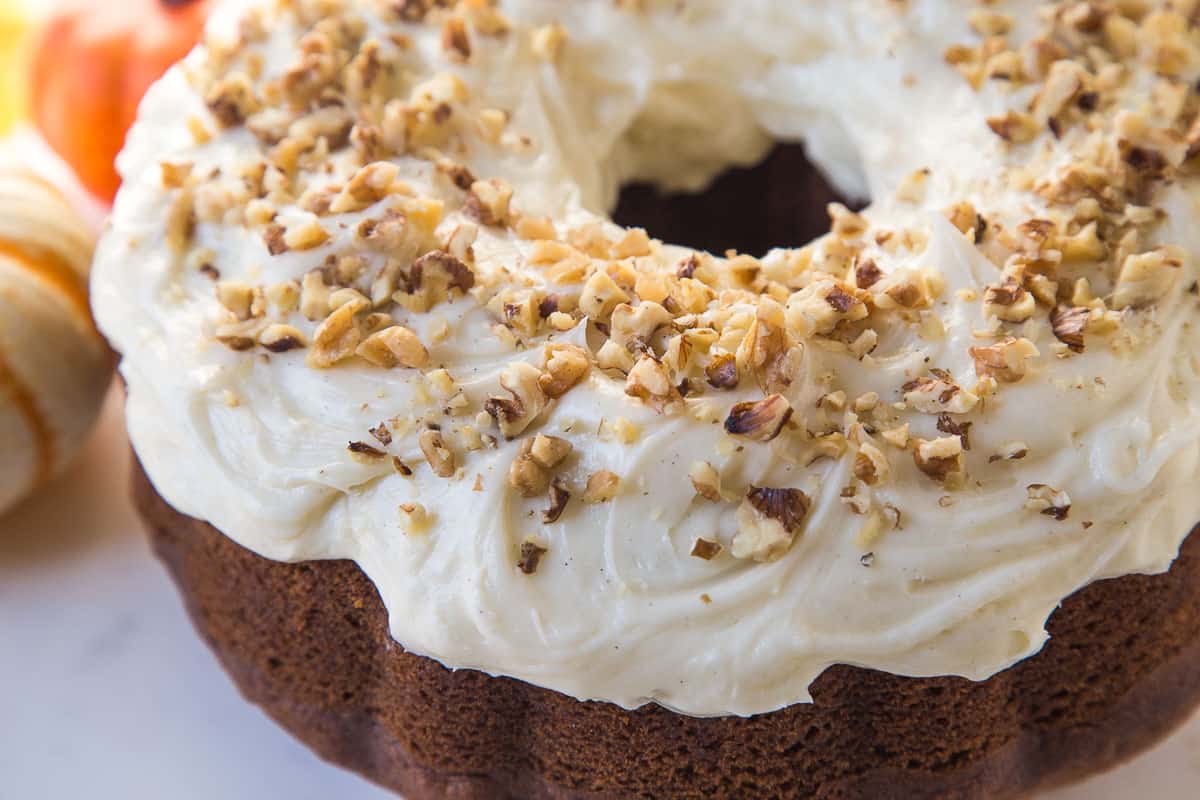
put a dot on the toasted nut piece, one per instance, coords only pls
(1048, 500)
(722, 371)
(706, 549)
(531, 556)
(649, 382)
(1011, 451)
(516, 413)
(613, 356)
(602, 486)
(236, 297)
(706, 481)
(281, 338)
(871, 465)
(633, 326)
(768, 521)
(559, 497)
(549, 451)
(306, 236)
(488, 202)
(526, 475)
(1147, 277)
(1009, 302)
(414, 518)
(565, 366)
(941, 459)
(338, 336)
(761, 421)
(1006, 361)
(1014, 126)
(1069, 323)
(601, 295)
(367, 187)
(314, 297)
(939, 394)
(392, 347)
(436, 453)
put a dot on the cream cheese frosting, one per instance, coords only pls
(708, 543)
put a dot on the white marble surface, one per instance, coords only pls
(107, 693)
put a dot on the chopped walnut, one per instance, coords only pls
(281, 338)
(338, 337)
(1069, 324)
(393, 347)
(762, 420)
(722, 371)
(488, 202)
(942, 460)
(939, 395)
(768, 521)
(440, 458)
(1006, 361)
(365, 453)
(531, 556)
(1011, 451)
(526, 399)
(649, 382)
(871, 465)
(559, 497)
(1014, 126)
(706, 549)
(706, 481)
(601, 296)
(1147, 277)
(602, 486)
(565, 366)
(1009, 302)
(1048, 500)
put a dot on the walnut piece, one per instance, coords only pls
(761, 421)
(768, 521)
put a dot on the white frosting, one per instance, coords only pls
(614, 612)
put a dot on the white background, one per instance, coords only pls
(106, 692)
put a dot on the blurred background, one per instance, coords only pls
(105, 691)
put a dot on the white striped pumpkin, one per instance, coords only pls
(54, 366)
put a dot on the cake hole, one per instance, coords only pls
(778, 203)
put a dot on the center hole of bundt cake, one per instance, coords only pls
(778, 203)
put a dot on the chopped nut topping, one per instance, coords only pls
(531, 556)
(548, 42)
(281, 338)
(565, 366)
(1069, 323)
(517, 412)
(648, 381)
(707, 550)
(393, 347)
(602, 486)
(768, 521)
(1147, 278)
(706, 481)
(440, 459)
(1006, 361)
(939, 395)
(337, 337)
(365, 452)
(761, 421)
(722, 371)
(1012, 451)
(1048, 500)
(941, 459)
(488, 202)
(1009, 302)
(871, 465)
(559, 497)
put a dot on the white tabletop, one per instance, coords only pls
(108, 693)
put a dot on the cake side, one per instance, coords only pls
(310, 643)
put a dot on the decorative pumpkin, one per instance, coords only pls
(13, 25)
(95, 60)
(54, 366)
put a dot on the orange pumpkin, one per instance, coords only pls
(95, 60)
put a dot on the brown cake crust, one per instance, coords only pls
(310, 644)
